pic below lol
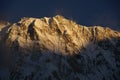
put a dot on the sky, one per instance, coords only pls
(85, 12)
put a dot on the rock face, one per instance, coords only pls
(55, 48)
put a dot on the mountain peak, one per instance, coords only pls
(56, 48)
(56, 34)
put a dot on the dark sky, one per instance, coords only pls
(84, 12)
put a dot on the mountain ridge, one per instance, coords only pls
(54, 31)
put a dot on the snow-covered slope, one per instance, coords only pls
(55, 48)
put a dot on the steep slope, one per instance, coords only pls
(55, 48)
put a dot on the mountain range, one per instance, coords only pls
(56, 48)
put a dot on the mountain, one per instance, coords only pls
(56, 48)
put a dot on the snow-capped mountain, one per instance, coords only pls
(55, 48)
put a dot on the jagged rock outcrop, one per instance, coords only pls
(55, 48)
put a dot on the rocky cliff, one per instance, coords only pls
(55, 48)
